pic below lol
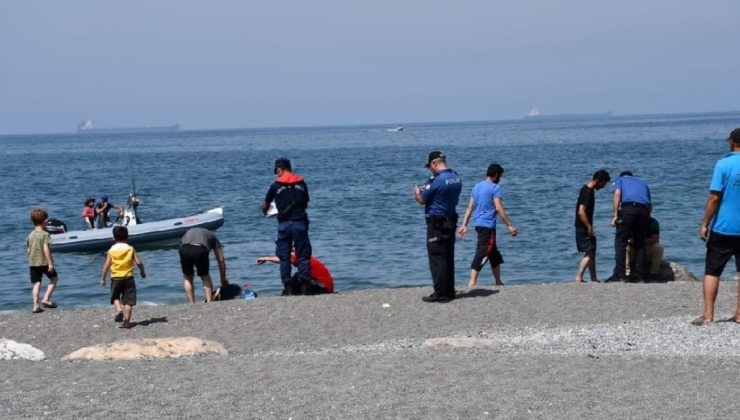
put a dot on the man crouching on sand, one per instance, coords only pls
(723, 213)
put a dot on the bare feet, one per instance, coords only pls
(472, 285)
(499, 283)
(595, 281)
(579, 280)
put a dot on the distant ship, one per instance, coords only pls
(397, 128)
(87, 127)
(534, 114)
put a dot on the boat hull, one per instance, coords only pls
(151, 234)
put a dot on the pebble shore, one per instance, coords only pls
(539, 351)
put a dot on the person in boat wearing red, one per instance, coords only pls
(88, 213)
(290, 193)
(322, 281)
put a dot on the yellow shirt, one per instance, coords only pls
(122, 261)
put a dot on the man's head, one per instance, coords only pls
(90, 201)
(601, 178)
(39, 216)
(120, 233)
(437, 160)
(626, 173)
(104, 198)
(282, 164)
(734, 139)
(495, 171)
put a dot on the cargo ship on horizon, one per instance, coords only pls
(534, 114)
(87, 127)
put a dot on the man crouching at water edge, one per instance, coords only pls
(194, 248)
(585, 234)
(290, 193)
(439, 196)
(723, 236)
(484, 205)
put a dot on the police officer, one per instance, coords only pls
(291, 199)
(631, 215)
(439, 197)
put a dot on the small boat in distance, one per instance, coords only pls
(397, 128)
(534, 114)
(87, 127)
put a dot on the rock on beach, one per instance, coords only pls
(148, 348)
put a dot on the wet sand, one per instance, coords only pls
(541, 351)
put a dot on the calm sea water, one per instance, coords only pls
(365, 224)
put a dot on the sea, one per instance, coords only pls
(365, 224)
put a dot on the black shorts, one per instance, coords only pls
(194, 255)
(585, 243)
(486, 249)
(123, 289)
(720, 248)
(40, 270)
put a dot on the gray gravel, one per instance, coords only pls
(554, 351)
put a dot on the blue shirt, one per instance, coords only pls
(726, 180)
(441, 194)
(634, 190)
(484, 211)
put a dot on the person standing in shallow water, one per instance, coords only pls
(439, 196)
(486, 202)
(291, 199)
(723, 236)
(585, 234)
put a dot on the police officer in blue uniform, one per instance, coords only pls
(632, 207)
(439, 197)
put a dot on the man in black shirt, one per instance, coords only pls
(585, 235)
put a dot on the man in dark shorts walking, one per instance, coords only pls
(585, 234)
(631, 216)
(195, 246)
(723, 214)
(439, 197)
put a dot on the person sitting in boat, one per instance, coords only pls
(321, 280)
(102, 209)
(88, 213)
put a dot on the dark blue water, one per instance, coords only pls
(365, 224)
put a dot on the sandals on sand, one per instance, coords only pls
(734, 319)
(701, 321)
(37, 310)
(50, 305)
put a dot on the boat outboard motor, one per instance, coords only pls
(55, 226)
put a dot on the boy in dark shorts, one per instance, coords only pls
(120, 261)
(585, 234)
(40, 260)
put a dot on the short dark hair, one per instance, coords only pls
(282, 163)
(735, 136)
(120, 233)
(494, 169)
(38, 216)
(626, 173)
(601, 175)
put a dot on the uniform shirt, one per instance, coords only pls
(35, 242)
(441, 194)
(586, 197)
(285, 190)
(634, 190)
(200, 236)
(122, 261)
(726, 180)
(484, 210)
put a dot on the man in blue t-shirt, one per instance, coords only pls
(439, 197)
(722, 219)
(632, 207)
(484, 204)
(291, 199)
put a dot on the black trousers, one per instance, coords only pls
(441, 250)
(633, 223)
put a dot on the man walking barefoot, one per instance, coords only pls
(585, 234)
(723, 213)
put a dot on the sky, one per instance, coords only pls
(217, 64)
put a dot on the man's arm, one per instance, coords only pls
(139, 264)
(468, 211)
(49, 258)
(583, 217)
(106, 268)
(268, 258)
(615, 205)
(417, 195)
(219, 253)
(504, 217)
(715, 197)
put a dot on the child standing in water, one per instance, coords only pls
(120, 261)
(40, 260)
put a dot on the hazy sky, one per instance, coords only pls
(249, 63)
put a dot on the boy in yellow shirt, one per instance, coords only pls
(120, 261)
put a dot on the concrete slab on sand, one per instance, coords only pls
(553, 351)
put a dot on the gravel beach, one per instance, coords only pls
(543, 351)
